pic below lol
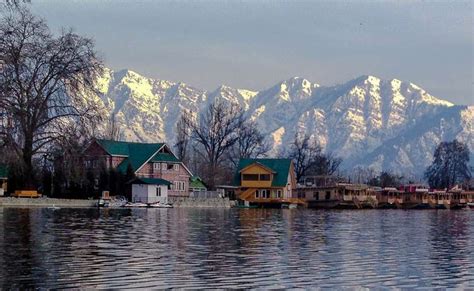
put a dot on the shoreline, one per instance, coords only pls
(47, 202)
(92, 203)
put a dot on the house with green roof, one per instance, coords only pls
(146, 160)
(3, 179)
(266, 181)
(196, 184)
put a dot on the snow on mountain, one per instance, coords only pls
(369, 122)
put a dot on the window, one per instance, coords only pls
(178, 186)
(264, 177)
(279, 194)
(265, 193)
(156, 166)
(250, 177)
(328, 195)
(257, 194)
(169, 166)
(176, 167)
(158, 191)
(94, 164)
(163, 166)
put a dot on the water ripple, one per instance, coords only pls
(221, 248)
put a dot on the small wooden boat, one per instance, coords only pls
(160, 205)
(53, 207)
(103, 203)
(135, 204)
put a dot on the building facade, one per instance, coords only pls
(149, 190)
(146, 160)
(266, 181)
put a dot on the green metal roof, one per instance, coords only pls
(136, 153)
(164, 157)
(196, 182)
(280, 166)
(3, 171)
(151, 181)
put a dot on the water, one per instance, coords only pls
(247, 248)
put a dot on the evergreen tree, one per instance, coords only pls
(450, 165)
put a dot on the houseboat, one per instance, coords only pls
(356, 196)
(319, 192)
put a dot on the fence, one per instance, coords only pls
(205, 194)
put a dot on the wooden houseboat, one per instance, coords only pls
(387, 197)
(356, 196)
(412, 196)
(319, 192)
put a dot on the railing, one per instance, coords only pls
(205, 194)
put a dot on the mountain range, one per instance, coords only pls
(368, 122)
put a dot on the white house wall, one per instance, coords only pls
(147, 193)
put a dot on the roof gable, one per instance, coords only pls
(139, 154)
(196, 182)
(280, 167)
(136, 153)
(260, 165)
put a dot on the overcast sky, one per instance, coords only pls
(254, 44)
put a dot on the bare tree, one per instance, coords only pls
(112, 129)
(304, 153)
(326, 164)
(386, 179)
(250, 143)
(309, 159)
(215, 133)
(182, 137)
(43, 82)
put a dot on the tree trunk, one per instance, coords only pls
(28, 173)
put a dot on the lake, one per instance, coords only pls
(246, 248)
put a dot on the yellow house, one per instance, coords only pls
(266, 181)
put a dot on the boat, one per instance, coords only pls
(103, 203)
(470, 204)
(135, 204)
(54, 207)
(245, 206)
(118, 201)
(160, 205)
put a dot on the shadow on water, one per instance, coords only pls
(246, 248)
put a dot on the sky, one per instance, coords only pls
(254, 44)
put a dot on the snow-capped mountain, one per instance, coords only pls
(369, 122)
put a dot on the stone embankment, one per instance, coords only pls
(49, 202)
(45, 202)
(201, 202)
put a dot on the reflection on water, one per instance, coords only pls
(247, 248)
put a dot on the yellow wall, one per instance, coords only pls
(256, 169)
